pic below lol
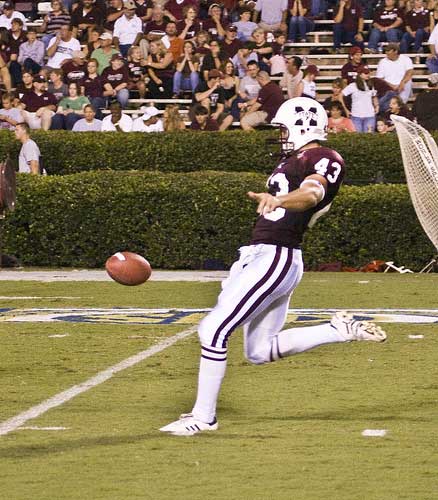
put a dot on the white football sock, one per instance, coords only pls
(211, 372)
(296, 340)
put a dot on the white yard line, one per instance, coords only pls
(14, 423)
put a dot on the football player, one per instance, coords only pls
(257, 292)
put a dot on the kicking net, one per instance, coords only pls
(420, 161)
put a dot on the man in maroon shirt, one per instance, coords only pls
(419, 22)
(75, 69)
(230, 44)
(38, 106)
(348, 27)
(85, 17)
(349, 69)
(387, 23)
(202, 120)
(115, 80)
(262, 109)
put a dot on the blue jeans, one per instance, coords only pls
(364, 124)
(299, 25)
(64, 122)
(123, 97)
(432, 64)
(376, 36)
(340, 35)
(46, 39)
(407, 40)
(124, 49)
(98, 104)
(30, 65)
(319, 7)
(181, 83)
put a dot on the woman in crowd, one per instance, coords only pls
(189, 27)
(396, 107)
(202, 43)
(382, 127)
(53, 21)
(57, 87)
(70, 109)
(263, 49)
(213, 60)
(26, 85)
(137, 69)
(186, 76)
(93, 41)
(230, 83)
(338, 86)
(338, 123)
(172, 118)
(364, 102)
(93, 88)
(160, 69)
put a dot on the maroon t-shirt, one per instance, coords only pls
(352, 14)
(109, 25)
(142, 10)
(115, 77)
(176, 9)
(210, 26)
(271, 98)
(210, 126)
(417, 20)
(16, 42)
(154, 26)
(93, 87)
(283, 227)
(94, 16)
(73, 72)
(349, 71)
(194, 29)
(34, 101)
(380, 86)
(386, 17)
(231, 48)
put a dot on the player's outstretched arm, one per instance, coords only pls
(308, 195)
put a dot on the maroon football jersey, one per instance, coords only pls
(284, 227)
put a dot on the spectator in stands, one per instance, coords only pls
(149, 122)
(175, 9)
(384, 93)
(88, 123)
(230, 83)
(387, 22)
(189, 26)
(202, 43)
(70, 109)
(397, 107)
(10, 115)
(301, 21)
(25, 86)
(53, 21)
(93, 87)
(338, 123)
(10, 69)
(172, 119)
(172, 42)
(93, 41)
(364, 103)
(338, 85)
(249, 89)
(144, 9)
(9, 13)
(263, 109)
(212, 95)
(213, 60)
(17, 35)
(348, 24)
(105, 52)
(214, 24)
(115, 80)
(61, 47)
(202, 121)
(84, 18)
(186, 76)
(277, 63)
(31, 53)
(292, 76)
(349, 69)
(243, 57)
(432, 58)
(75, 69)
(160, 69)
(57, 87)
(38, 106)
(419, 24)
(115, 11)
(30, 155)
(231, 44)
(273, 14)
(382, 126)
(158, 22)
(425, 108)
(307, 86)
(245, 26)
(128, 29)
(137, 70)
(263, 49)
(116, 121)
(397, 70)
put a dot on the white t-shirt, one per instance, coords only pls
(125, 123)
(29, 152)
(361, 101)
(394, 71)
(126, 30)
(140, 126)
(271, 10)
(63, 51)
(309, 88)
(5, 22)
(433, 38)
(83, 126)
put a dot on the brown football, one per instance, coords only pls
(128, 268)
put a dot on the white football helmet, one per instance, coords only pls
(302, 120)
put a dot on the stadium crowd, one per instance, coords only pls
(79, 67)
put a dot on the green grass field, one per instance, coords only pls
(288, 430)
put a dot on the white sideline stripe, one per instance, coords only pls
(15, 422)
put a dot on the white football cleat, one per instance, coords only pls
(188, 425)
(353, 329)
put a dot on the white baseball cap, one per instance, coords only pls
(149, 112)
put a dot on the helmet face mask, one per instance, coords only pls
(302, 120)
